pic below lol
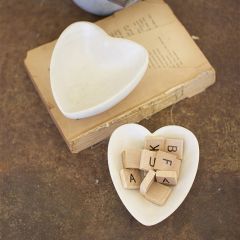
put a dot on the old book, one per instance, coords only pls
(177, 69)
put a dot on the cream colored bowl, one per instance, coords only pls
(132, 136)
(91, 72)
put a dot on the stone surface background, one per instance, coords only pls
(48, 193)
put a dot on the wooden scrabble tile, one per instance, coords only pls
(131, 158)
(167, 162)
(154, 143)
(158, 193)
(166, 177)
(147, 181)
(148, 160)
(131, 178)
(174, 146)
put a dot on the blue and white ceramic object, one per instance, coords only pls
(102, 7)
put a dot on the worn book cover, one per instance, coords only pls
(177, 69)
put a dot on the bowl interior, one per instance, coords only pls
(89, 67)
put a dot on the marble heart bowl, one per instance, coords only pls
(91, 71)
(132, 136)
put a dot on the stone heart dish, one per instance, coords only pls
(91, 71)
(132, 136)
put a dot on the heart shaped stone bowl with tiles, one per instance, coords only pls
(132, 136)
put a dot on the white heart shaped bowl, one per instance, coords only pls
(91, 71)
(132, 136)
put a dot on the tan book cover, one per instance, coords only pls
(177, 69)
